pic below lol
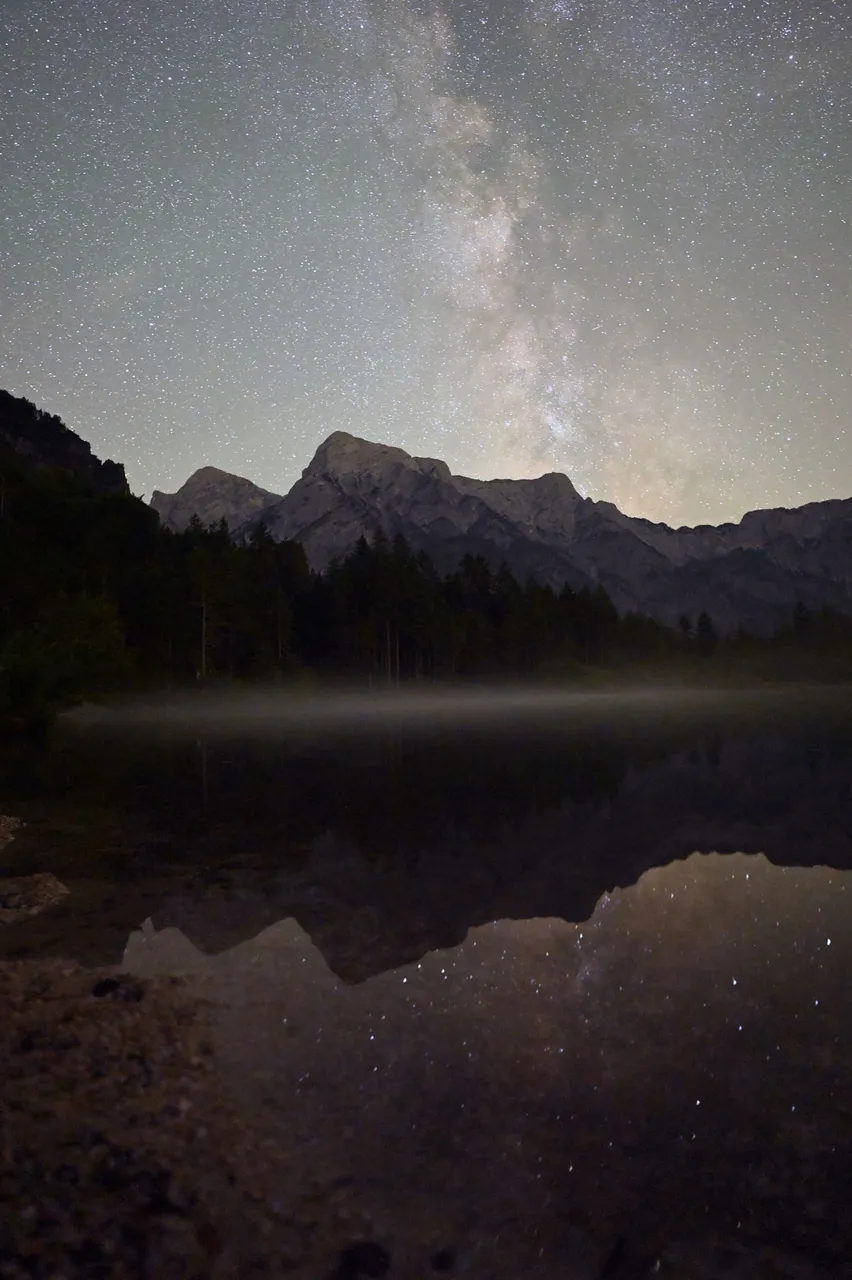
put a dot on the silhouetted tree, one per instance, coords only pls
(706, 634)
(803, 623)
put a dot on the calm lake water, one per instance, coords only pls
(544, 985)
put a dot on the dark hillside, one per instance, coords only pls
(45, 442)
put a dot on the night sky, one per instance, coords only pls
(612, 239)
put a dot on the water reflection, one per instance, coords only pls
(674, 1071)
(386, 847)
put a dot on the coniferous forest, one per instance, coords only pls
(98, 598)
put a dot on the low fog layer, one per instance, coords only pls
(307, 711)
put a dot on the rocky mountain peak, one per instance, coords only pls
(212, 495)
(557, 484)
(214, 475)
(344, 457)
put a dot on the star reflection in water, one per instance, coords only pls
(674, 1072)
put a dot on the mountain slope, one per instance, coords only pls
(44, 441)
(751, 573)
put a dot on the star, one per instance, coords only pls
(554, 236)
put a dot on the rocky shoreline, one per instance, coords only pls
(113, 1137)
(119, 1157)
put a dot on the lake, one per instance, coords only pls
(549, 984)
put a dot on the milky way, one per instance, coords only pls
(612, 239)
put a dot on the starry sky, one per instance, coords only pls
(606, 237)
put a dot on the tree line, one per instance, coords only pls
(97, 597)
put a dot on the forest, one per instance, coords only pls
(98, 598)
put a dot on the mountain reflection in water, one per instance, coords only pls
(388, 838)
(675, 1071)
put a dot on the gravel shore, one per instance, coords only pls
(117, 1157)
(122, 1157)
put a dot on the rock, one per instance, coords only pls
(363, 1258)
(443, 1260)
(24, 896)
(8, 827)
(122, 988)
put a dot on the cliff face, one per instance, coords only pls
(750, 573)
(44, 441)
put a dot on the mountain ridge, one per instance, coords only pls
(749, 573)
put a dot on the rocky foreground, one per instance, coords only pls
(120, 1157)
(117, 1158)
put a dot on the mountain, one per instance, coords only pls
(213, 495)
(749, 574)
(44, 441)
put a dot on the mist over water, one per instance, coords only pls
(513, 708)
